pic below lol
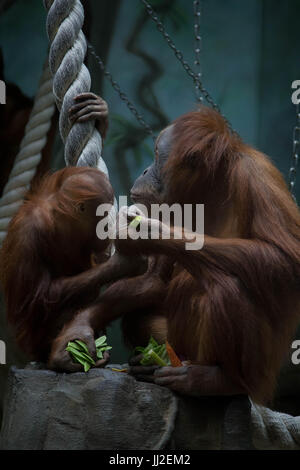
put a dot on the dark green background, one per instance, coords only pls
(251, 55)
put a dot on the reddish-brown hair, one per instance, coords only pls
(37, 239)
(240, 308)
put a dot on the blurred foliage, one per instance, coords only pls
(123, 135)
(128, 134)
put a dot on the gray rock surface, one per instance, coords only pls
(108, 410)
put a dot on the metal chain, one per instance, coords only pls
(295, 154)
(198, 46)
(121, 93)
(179, 55)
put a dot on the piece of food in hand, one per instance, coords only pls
(135, 222)
(101, 346)
(175, 361)
(153, 354)
(80, 353)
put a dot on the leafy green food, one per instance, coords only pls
(100, 341)
(80, 353)
(135, 222)
(101, 350)
(153, 354)
(82, 345)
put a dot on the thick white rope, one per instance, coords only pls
(68, 46)
(83, 143)
(30, 152)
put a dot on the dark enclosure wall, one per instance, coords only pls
(249, 59)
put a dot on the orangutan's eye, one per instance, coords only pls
(81, 207)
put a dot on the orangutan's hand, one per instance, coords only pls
(61, 360)
(189, 379)
(89, 107)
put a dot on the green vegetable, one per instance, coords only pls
(83, 345)
(101, 350)
(153, 354)
(135, 222)
(80, 353)
(100, 341)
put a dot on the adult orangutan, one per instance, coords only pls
(231, 308)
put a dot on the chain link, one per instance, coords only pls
(179, 55)
(121, 93)
(198, 46)
(295, 153)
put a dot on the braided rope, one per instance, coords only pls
(30, 152)
(83, 143)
